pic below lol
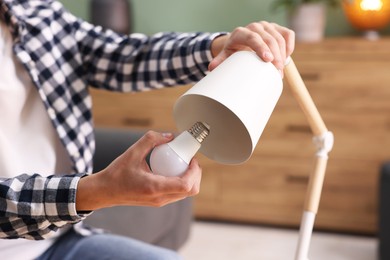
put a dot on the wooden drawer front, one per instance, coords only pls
(350, 196)
(268, 190)
(146, 110)
(272, 191)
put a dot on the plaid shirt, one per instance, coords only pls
(63, 56)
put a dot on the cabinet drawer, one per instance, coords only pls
(147, 110)
(263, 190)
(272, 191)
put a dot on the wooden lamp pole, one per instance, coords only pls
(323, 139)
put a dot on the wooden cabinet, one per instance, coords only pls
(349, 80)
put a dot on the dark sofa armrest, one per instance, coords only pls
(384, 212)
(110, 143)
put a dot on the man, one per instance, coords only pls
(48, 58)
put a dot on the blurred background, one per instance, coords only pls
(151, 16)
(253, 211)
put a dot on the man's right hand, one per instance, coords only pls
(128, 180)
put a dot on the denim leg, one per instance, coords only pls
(106, 246)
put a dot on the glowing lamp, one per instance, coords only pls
(368, 15)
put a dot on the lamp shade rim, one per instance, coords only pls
(236, 100)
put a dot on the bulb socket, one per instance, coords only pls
(199, 131)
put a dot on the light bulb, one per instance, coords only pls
(172, 159)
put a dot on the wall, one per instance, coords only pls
(152, 16)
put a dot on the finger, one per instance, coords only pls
(289, 37)
(271, 38)
(187, 184)
(194, 172)
(255, 37)
(280, 41)
(165, 199)
(217, 60)
(245, 38)
(150, 140)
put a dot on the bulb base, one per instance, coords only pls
(200, 130)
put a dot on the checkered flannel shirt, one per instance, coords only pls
(64, 55)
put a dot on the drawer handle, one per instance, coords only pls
(139, 122)
(310, 76)
(297, 179)
(298, 128)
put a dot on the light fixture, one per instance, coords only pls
(368, 16)
(236, 100)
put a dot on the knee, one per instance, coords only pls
(166, 254)
(117, 247)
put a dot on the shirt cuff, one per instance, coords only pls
(60, 200)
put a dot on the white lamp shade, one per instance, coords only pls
(236, 100)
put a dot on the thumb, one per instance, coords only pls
(217, 60)
(150, 140)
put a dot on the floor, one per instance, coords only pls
(214, 241)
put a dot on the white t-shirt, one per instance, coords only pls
(28, 141)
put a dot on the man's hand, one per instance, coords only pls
(272, 43)
(129, 181)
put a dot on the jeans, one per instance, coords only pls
(73, 246)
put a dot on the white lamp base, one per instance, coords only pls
(305, 233)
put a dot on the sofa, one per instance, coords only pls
(167, 226)
(384, 212)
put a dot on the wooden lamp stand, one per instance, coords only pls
(323, 139)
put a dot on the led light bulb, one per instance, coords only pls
(172, 159)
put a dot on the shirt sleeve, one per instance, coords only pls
(34, 207)
(138, 62)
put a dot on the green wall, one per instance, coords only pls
(151, 16)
